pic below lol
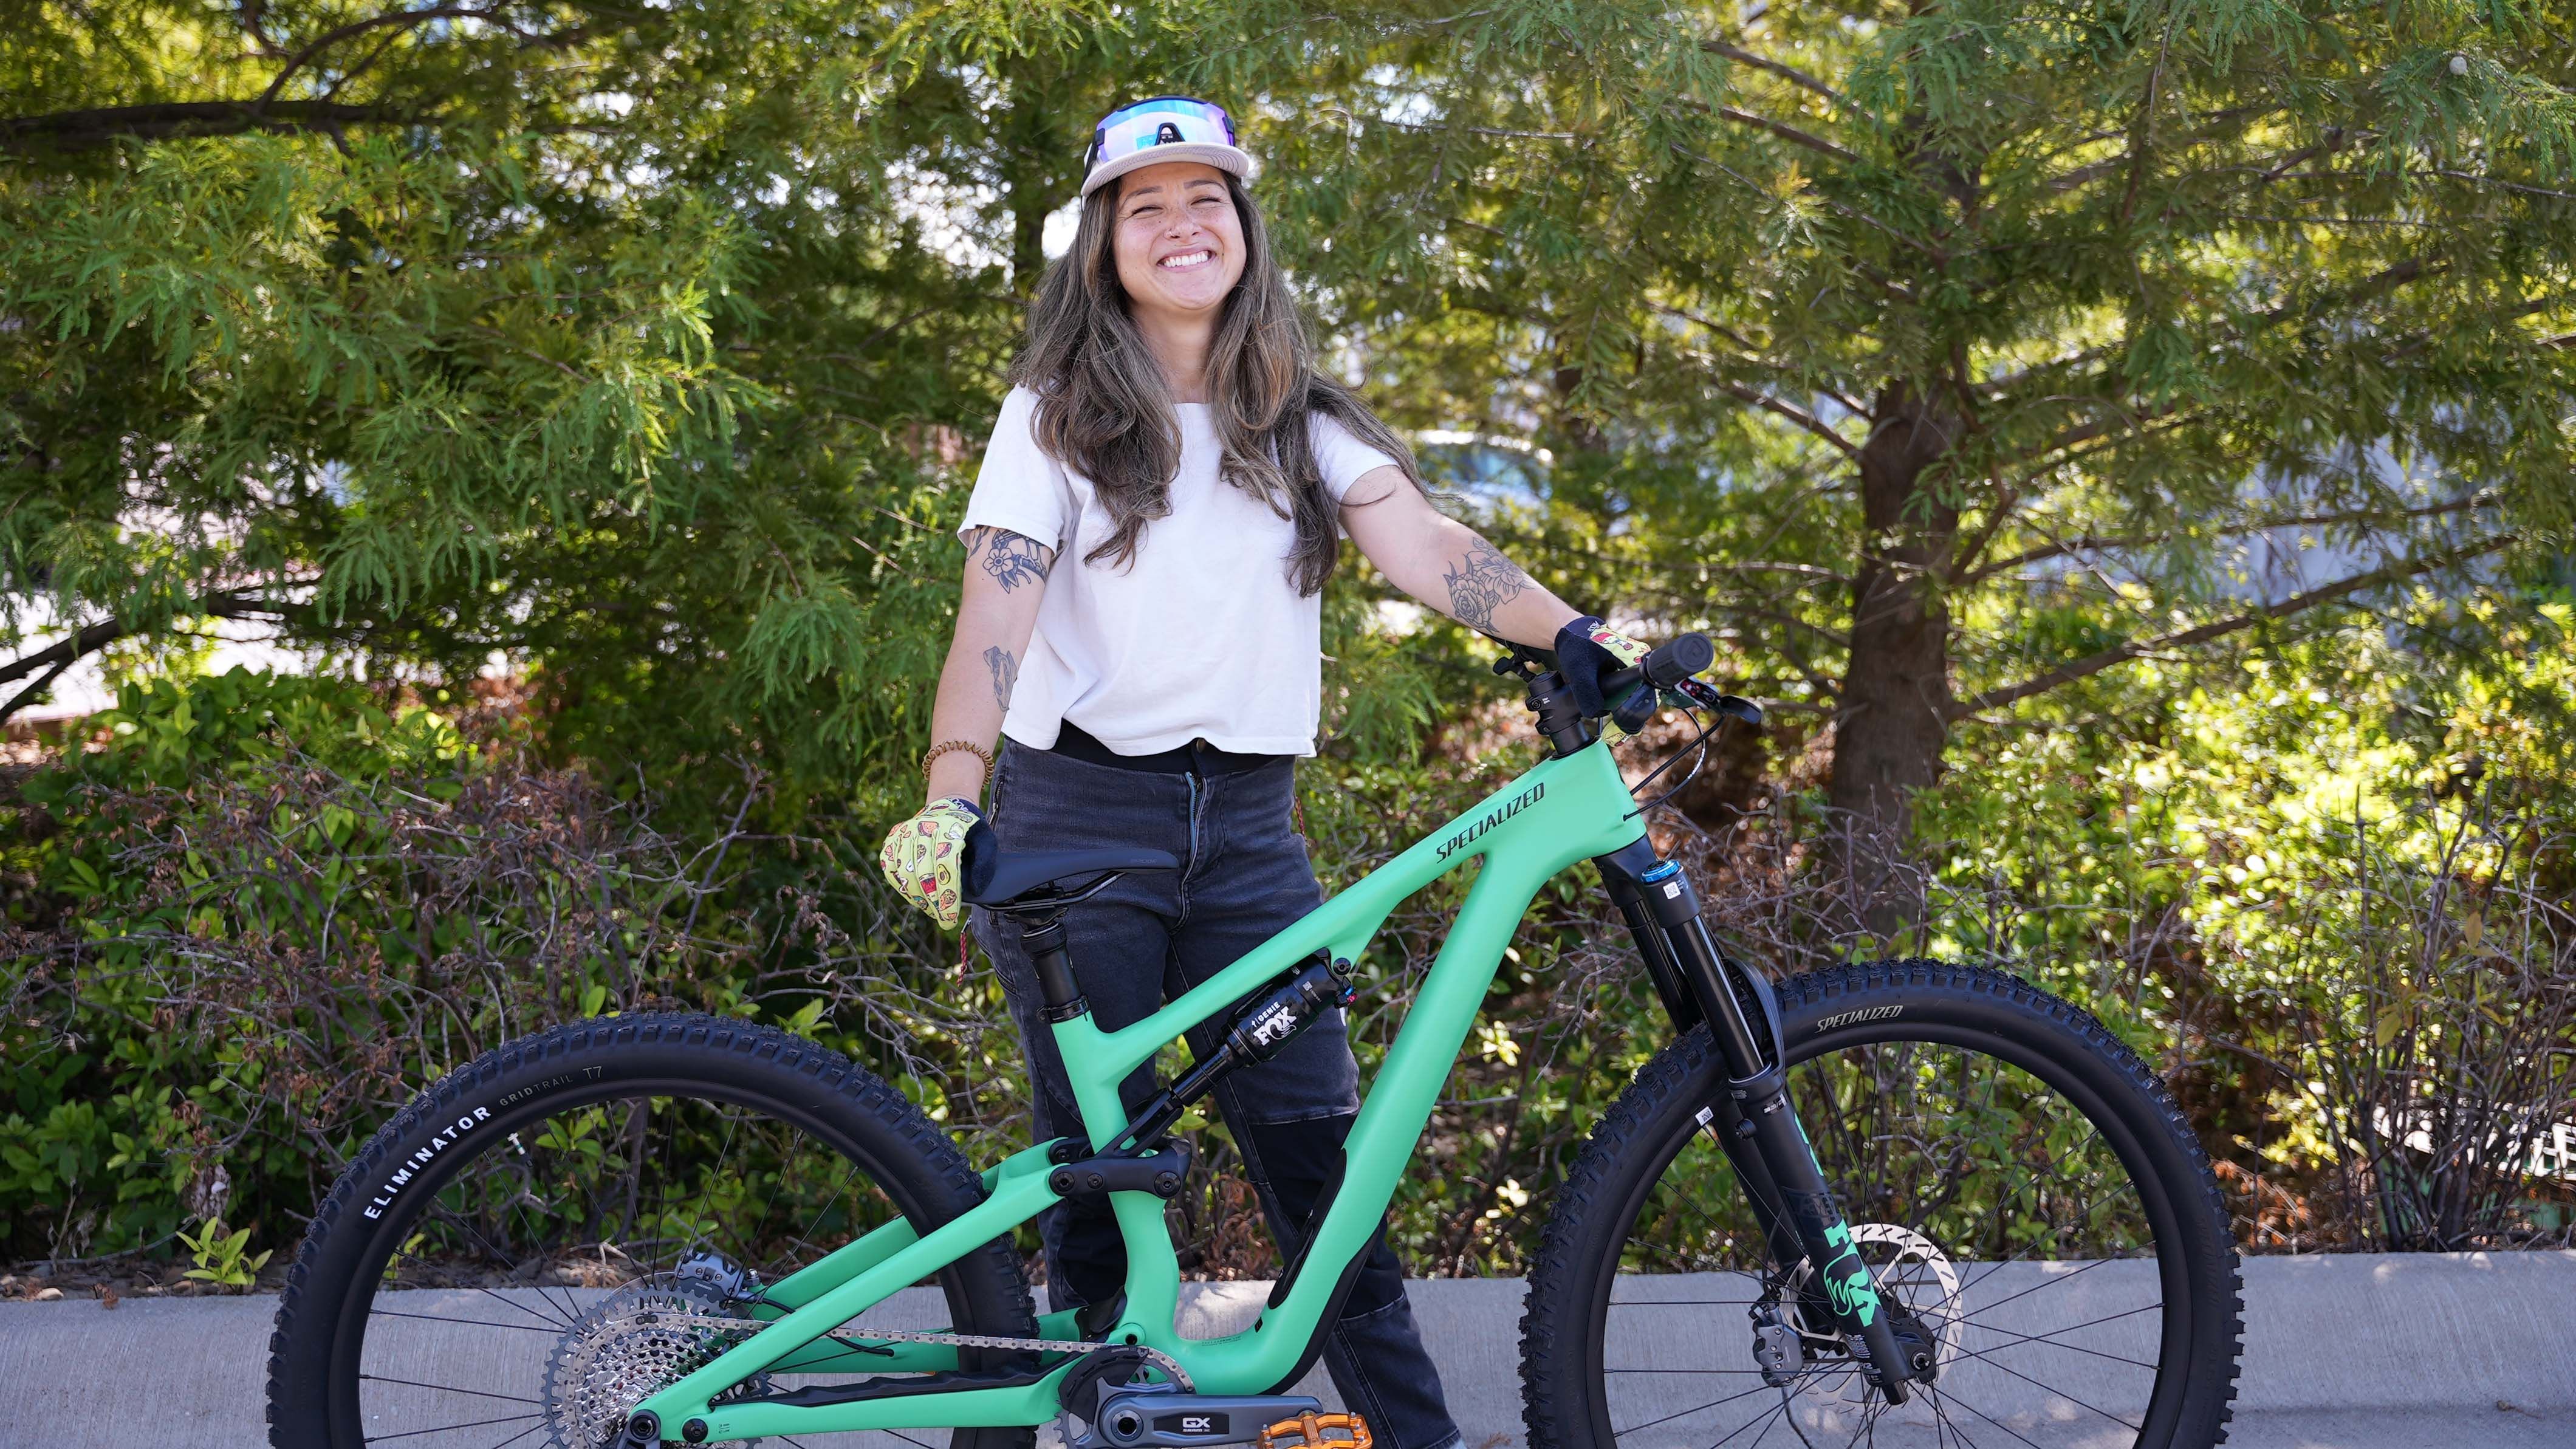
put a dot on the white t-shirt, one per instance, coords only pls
(1201, 635)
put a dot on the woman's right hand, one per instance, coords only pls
(924, 858)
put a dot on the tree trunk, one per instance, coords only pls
(1893, 717)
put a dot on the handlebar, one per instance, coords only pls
(1670, 667)
(1664, 667)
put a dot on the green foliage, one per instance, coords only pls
(270, 910)
(649, 349)
(223, 1259)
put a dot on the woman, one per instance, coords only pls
(1159, 507)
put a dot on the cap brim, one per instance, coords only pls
(1232, 160)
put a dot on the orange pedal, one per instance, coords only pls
(1314, 1431)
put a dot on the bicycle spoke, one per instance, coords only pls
(2024, 1340)
(1989, 1418)
(452, 1428)
(1969, 1153)
(522, 1434)
(1941, 1413)
(1776, 1411)
(465, 1322)
(444, 1388)
(2061, 1393)
(2051, 1281)
(1686, 1413)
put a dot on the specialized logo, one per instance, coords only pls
(437, 1144)
(1492, 818)
(1858, 1015)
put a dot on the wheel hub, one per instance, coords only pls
(1915, 1279)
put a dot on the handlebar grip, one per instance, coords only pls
(1664, 666)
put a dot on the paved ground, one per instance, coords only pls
(2360, 1352)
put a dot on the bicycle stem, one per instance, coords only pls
(1761, 1135)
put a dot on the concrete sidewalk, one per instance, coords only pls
(2346, 1352)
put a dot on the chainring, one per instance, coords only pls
(629, 1346)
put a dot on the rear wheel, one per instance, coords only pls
(2030, 1199)
(477, 1276)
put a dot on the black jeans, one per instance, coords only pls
(1149, 937)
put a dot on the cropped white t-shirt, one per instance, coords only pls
(1202, 635)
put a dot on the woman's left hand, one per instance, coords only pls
(1588, 651)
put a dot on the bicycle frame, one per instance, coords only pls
(1565, 809)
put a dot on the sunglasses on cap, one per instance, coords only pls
(1159, 121)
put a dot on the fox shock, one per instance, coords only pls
(1761, 1135)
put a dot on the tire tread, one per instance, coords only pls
(944, 1176)
(1554, 1316)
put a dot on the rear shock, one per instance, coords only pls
(1757, 1125)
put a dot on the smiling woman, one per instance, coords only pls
(1158, 695)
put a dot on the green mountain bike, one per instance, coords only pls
(1887, 1204)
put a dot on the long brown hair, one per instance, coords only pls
(1105, 411)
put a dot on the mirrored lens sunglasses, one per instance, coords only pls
(1161, 121)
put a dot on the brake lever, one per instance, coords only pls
(1731, 705)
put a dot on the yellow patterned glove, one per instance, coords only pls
(925, 857)
(1587, 651)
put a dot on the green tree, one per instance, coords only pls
(1949, 354)
(623, 340)
(1943, 356)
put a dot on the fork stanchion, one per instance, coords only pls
(1744, 1019)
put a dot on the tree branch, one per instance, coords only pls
(2007, 498)
(2093, 543)
(1752, 355)
(2123, 418)
(1787, 133)
(89, 639)
(333, 36)
(28, 695)
(79, 130)
(1791, 411)
(1789, 73)
(2092, 664)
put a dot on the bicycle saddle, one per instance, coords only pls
(994, 876)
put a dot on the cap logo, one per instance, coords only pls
(1118, 141)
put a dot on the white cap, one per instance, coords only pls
(1162, 128)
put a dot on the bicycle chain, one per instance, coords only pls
(1169, 1366)
(847, 1338)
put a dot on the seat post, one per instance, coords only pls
(1059, 995)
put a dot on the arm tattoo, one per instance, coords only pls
(1481, 583)
(1011, 558)
(1006, 674)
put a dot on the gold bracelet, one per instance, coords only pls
(944, 746)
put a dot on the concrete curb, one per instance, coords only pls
(2371, 1351)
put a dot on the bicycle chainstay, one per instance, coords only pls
(850, 1338)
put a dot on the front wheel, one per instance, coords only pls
(2032, 1204)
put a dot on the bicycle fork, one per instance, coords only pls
(1760, 1135)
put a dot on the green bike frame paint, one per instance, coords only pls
(1566, 809)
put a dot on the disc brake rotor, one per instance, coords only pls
(1912, 1258)
(1914, 1277)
